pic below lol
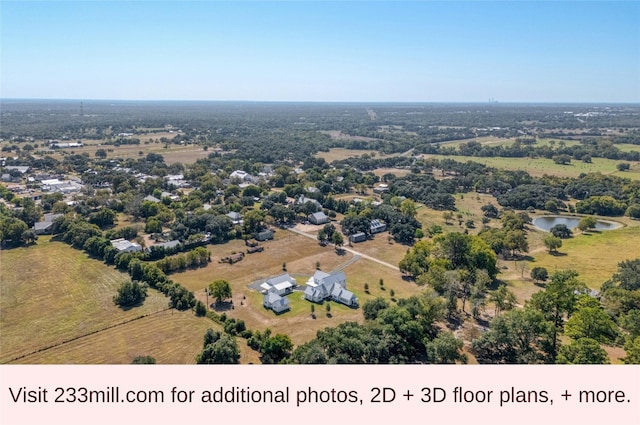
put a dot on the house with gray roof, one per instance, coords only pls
(236, 217)
(322, 286)
(282, 284)
(318, 218)
(44, 227)
(275, 302)
(377, 226)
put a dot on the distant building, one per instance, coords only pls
(151, 198)
(44, 227)
(123, 245)
(318, 218)
(265, 235)
(358, 237)
(235, 217)
(377, 226)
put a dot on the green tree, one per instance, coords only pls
(632, 347)
(408, 208)
(201, 309)
(582, 351)
(503, 299)
(633, 211)
(444, 349)
(557, 301)
(337, 240)
(539, 274)
(220, 290)
(143, 360)
(589, 320)
(130, 293)
(587, 223)
(520, 336)
(223, 351)
(275, 349)
(552, 243)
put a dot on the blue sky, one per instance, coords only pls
(421, 51)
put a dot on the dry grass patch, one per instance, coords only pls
(171, 337)
(52, 293)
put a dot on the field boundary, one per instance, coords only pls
(75, 338)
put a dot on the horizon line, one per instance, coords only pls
(485, 102)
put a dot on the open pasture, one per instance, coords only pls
(541, 166)
(52, 293)
(171, 337)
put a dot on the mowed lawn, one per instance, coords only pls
(51, 293)
(171, 337)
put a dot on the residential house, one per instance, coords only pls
(236, 217)
(318, 218)
(275, 302)
(282, 284)
(322, 286)
(44, 227)
(301, 200)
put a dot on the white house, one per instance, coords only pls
(275, 302)
(236, 217)
(123, 245)
(322, 286)
(282, 284)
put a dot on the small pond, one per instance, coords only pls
(547, 222)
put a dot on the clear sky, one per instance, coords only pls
(424, 51)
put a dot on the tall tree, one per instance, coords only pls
(220, 290)
(557, 302)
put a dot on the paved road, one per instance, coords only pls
(353, 251)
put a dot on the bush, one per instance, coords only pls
(130, 293)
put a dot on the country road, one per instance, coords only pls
(353, 251)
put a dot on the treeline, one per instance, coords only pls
(83, 235)
(526, 148)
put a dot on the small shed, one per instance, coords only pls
(358, 237)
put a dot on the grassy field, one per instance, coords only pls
(52, 293)
(541, 166)
(171, 337)
(594, 255)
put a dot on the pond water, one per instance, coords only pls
(547, 222)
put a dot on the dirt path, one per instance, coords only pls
(353, 251)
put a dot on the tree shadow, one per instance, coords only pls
(558, 254)
(222, 306)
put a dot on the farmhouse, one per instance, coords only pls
(282, 284)
(318, 218)
(322, 286)
(236, 217)
(123, 245)
(275, 302)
